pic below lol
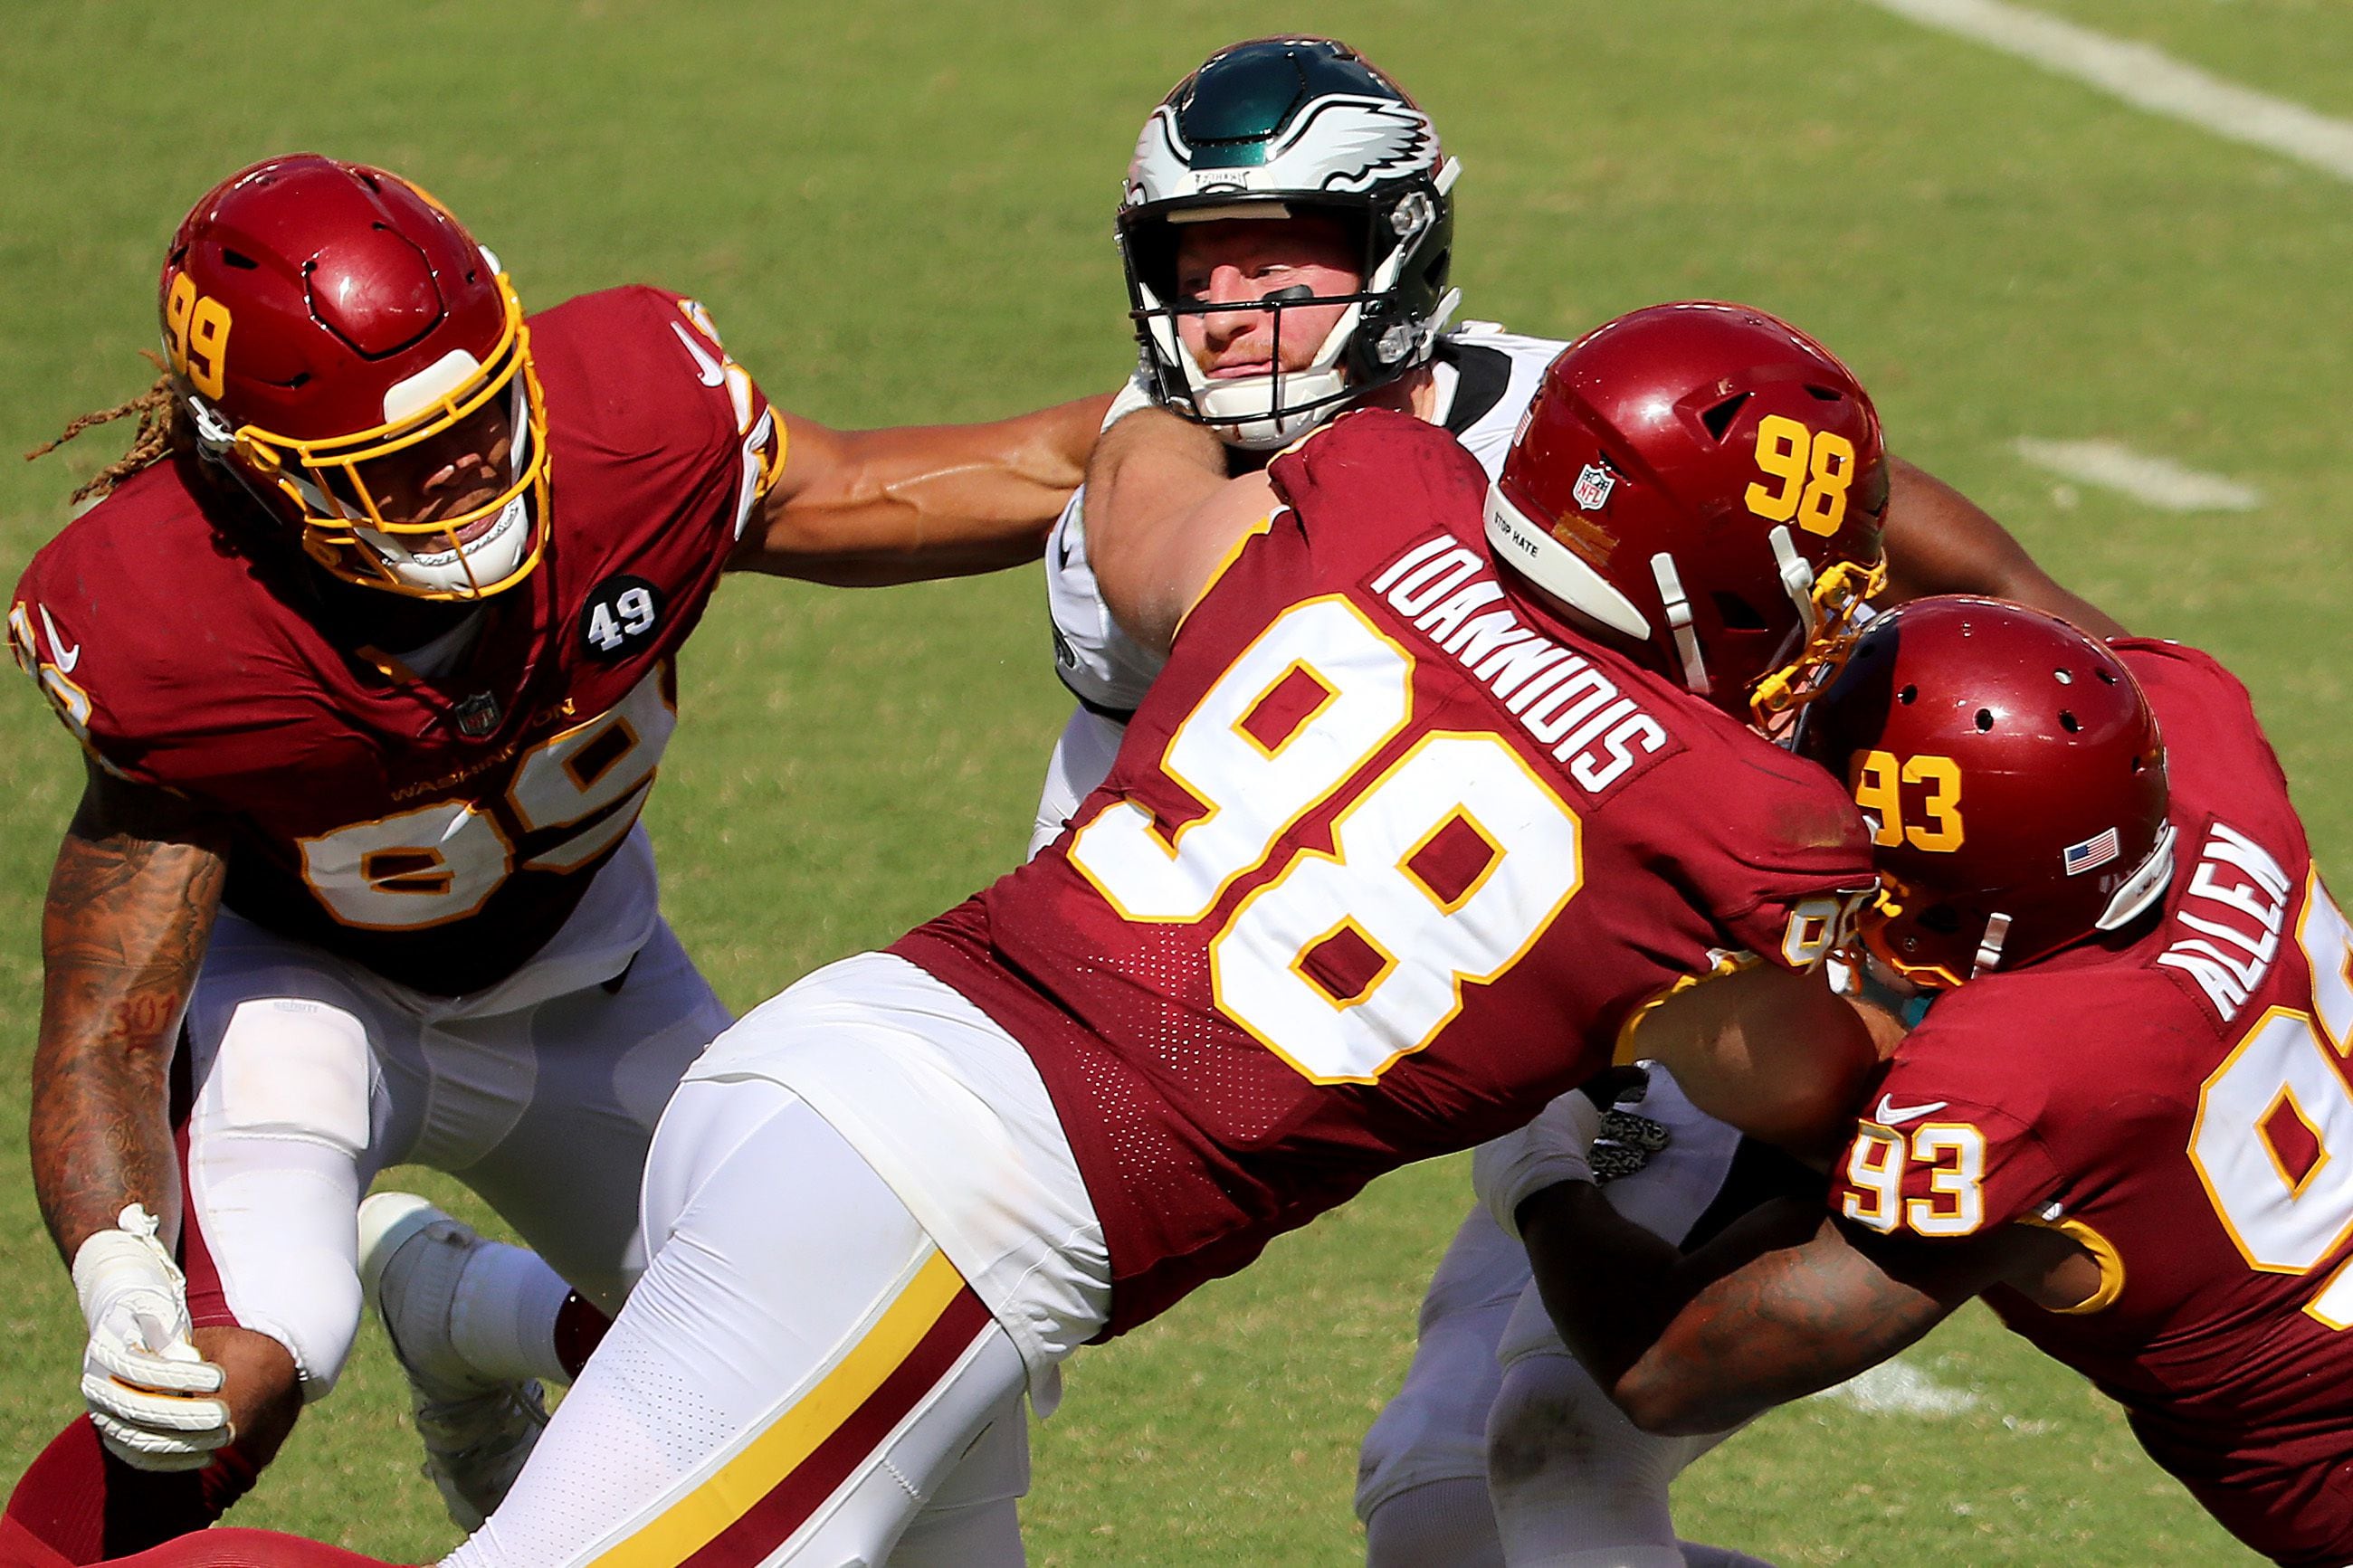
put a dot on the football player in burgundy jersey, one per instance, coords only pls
(2117, 1124)
(1287, 230)
(370, 644)
(1399, 844)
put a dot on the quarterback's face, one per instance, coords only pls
(1236, 262)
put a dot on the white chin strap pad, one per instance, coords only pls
(1242, 410)
(1679, 621)
(1989, 955)
(490, 559)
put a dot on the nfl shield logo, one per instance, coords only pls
(1594, 484)
(477, 715)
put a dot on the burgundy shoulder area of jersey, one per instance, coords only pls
(1752, 822)
(637, 373)
(2218, 760)
(1374, 463)
(148, 631)
(2092, 1062)
(654, 432)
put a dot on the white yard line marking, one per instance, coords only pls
(1899, 1388)
(2146, 77)
(2152, 481)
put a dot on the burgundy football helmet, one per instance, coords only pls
(1709, 482)
(337, 339)
(2014, 779)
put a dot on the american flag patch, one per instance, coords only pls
(2091, 854)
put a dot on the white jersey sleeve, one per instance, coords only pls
(1496, 377)
(1107, 670)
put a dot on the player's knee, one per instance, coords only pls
(312, 1318)
(1552, 1426)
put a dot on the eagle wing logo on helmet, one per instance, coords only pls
(1161, 163)
(1351, 144)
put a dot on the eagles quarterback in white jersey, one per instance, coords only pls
(1287, 234)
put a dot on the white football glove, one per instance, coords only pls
(145, 1383)
(1556, 1147)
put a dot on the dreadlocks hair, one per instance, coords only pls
(156, 409)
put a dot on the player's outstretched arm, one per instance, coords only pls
(867, 507)
(1940, 541)
(1161, 517)
(1782, 1305)
(131, 905)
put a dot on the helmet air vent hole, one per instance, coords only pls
(1825, 394)
(1719, 418)
(1908, 695)
(1737, 613)
(367, 179)
(239, 258)
(2065, 678)
(2067, 721)
(2107, 678)
(1985, 719)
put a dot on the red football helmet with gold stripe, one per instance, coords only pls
(350, 353)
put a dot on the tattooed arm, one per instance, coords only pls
(1782, 1304)
(130, 907)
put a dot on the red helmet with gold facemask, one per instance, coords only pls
(361, 365)
(1707, 482)
(2014, 778)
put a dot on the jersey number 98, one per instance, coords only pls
(1445, 867)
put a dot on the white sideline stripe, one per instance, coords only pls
(1898, 1388)
(2153, 482)
(2145, 77)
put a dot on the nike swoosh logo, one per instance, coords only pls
(1889, 1113)
(707, 367)
(65, 657)
(1062, 547)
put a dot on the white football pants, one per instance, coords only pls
(302, 1076)
(799, 1377)
(1494, 1406)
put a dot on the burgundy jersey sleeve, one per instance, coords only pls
(1377, 462)
(1781, 860)
(1932, 1156)
(138, 627)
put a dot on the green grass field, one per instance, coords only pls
(902, 212)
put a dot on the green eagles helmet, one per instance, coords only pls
(1277, 128)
